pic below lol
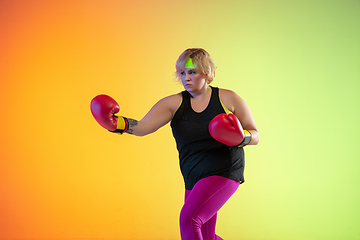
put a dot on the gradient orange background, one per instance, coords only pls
(296, 64)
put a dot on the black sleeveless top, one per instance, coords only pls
(200, 155)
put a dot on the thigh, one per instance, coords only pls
(208, 196)
(208, 228)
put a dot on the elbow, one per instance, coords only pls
(255, 138)
(140, 133)
(137, 133)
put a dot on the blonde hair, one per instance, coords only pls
(201, 60)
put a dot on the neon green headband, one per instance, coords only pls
(189, 63)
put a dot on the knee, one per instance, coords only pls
(190, 220)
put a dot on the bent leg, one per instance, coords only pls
(201, 205)
(208, 228)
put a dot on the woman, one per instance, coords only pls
(212, 170)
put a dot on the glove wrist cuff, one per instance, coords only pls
(122, 125)
(247, 139)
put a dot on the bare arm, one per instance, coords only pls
(242, 111)
(159, 115)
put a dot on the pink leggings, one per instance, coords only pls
(198, 215)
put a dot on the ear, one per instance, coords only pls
(207, 78)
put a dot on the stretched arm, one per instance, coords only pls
(159, 115)
(242, 111)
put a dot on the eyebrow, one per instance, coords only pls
(190, 70)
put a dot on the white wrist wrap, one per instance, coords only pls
(246, 140)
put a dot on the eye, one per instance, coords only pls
(191, 72)
(182, 73)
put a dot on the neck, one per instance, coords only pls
(202, 93)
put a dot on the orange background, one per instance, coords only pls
(296, 64)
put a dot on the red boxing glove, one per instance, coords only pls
(227, 129)
(103, 109)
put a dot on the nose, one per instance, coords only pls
(187, 77)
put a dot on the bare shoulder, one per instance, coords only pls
(171, 102)
(238, 106)
(230, 99)
(226, 93)
(172, 99)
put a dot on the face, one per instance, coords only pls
(193, 80)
